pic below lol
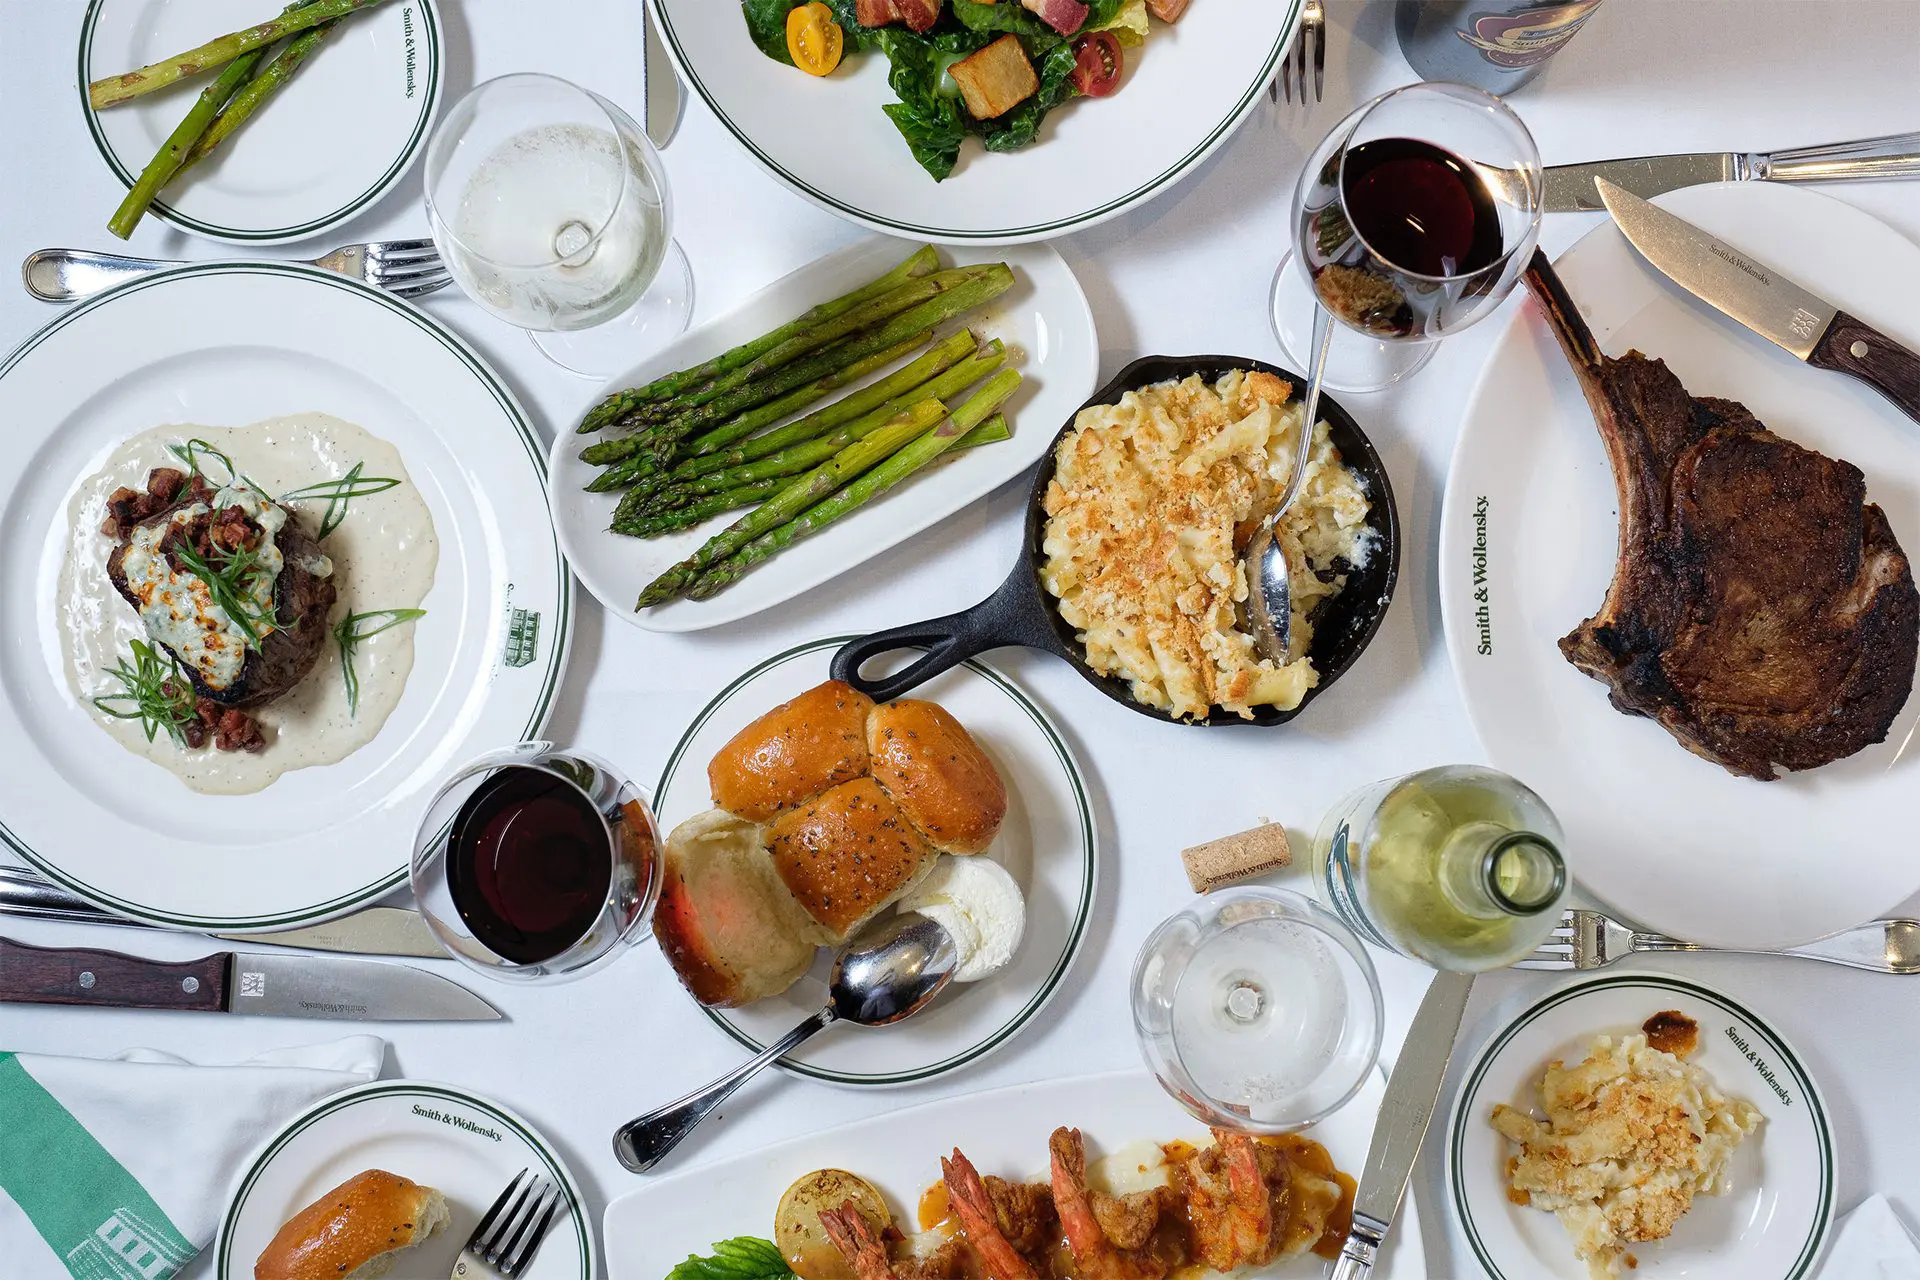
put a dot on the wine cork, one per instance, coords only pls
(1231, 859)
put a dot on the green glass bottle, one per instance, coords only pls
(1459, 866)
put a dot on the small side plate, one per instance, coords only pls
(1771, 1225)
(330, 143)
(467, 1147)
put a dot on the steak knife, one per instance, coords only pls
(1759, 297)
(1412, 1093)
(236, 982)
(1569, 187)
(376, 931)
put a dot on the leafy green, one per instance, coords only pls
(154, 691)
(1007, 15)
(741, 1258)
(1129, 24)
(1020, 126)
(767, 24)
(933, 123)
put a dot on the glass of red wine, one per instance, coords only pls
(1413, 219)
(537, 862)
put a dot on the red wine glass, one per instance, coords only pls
(537, 862)
(1412, 220)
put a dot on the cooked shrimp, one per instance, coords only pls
(978, 1219)
(857, 1242)
(1095, 1255)
(1230, 1205)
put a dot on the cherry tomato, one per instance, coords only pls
(1097, 64)
(814, 39)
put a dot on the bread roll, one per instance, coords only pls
(353, 1231)
(793, 752)
(846, 855)
(937, 774)
(726, 922)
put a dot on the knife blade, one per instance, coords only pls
(236, 982)
(1757, 295)
(377, 931)
(1569, 187)
(662, 85)
(1412, 1093)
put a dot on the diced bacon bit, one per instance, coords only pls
(231, 530)
(919, 15)
(230, 728)
(165, 487)
(1167, 10)
(1064, 16)
(165, 483)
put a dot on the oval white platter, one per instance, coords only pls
(1670, 839)
(1184, 93)
(1046, 842)
(1770, 1225)
(225, 345)
(327, 145)
(1048, 329)
(1003, 1131)
(465, 1146)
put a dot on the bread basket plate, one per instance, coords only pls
(1770, 1225)
(1003, 1131)
(1046, 841)
(225, 345)
(1527, 547)
(284, 177)
(1048, 329)
(463, 1145)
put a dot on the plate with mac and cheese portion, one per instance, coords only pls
(1641, 1125)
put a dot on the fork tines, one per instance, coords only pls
(512, 1229)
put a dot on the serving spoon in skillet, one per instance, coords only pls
(1268, 611)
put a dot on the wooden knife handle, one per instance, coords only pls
(53, 975)
(1852, 346)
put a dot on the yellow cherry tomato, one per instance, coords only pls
(814, 39)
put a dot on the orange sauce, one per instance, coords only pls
(936, 1210)
(1317, 1160)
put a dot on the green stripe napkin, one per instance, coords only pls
(118, 1169)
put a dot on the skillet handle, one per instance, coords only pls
(1013, 615)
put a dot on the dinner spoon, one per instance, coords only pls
(1269, 607)
(887, 972)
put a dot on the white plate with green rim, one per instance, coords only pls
(1046, 842)
(1184, 92)
(463, 1145)
(1528, 542)
(1770, 1225)
(227, 345)
(1047, 326)
(1003, 1131)
(333, 140)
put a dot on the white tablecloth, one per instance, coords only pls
(1188, 273)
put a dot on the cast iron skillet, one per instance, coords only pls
(1022, 613)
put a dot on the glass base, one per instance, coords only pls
(1355, 362)
(618, 344)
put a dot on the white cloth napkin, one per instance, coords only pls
(118, 1168)
(1872, 1244)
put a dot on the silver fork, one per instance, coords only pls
(408, 268)
(504, 1241)
(1311, 42)
(1591, 940)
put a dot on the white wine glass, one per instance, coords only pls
(1257, 1009)
(551, 210)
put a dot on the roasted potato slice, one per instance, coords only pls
(796, 1223)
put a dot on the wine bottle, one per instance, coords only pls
(1496, 45)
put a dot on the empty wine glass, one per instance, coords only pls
(1413, 219)
(1257, 1009)
(537, 862)
(551, 210)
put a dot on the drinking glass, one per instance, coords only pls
(1257, 1009)
(1413, 219)
(551, 210)
(537, 862)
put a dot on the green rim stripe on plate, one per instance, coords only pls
(954, 235)
(529, 442)
(429, 101)
(1470, 1091)
(583, 1229)
(1081, 914)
